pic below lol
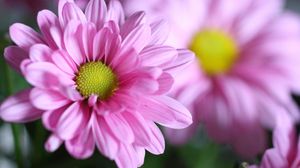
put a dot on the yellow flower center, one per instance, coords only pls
(96, 78)
(216, 51)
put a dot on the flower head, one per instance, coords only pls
(246, 68)
(98, 80)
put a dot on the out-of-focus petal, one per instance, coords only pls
(18, 108)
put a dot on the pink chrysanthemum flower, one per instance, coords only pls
(97, 80)
(286, 150)
(248, 64)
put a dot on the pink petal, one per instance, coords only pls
(46, 21)
(47, 99)
(191, 75)
(273, 159)
(92, 100)
(126, 99)
(160, 31)
(139, 127)
(99, 45)
(71, 93)
(115, 12)
(24, 65)
(140, 155)
(127, 157)
(157, 55)
(113, 26)
(277, 90)
(296, 162)
(224, 14)
(40, 52)
(24, 36)
(72, 121)
(53, 143)
(14, 56)
(96, 12)
(166, 111)
(284, 135)
(127, 59)
(165, 83)
(71, 11)
(149, 74)
(51, 118)
(132, 22)
(120, 128)
(105, 142)
(157, 145)
(235, 88)
(278, 27)
(86, 32)
(261, 13)
(112, 47)
(61, 4)
(216, 116)
(46, 75)
(64, 62)
(148, 86)
(18, 108)
(137, 39)
(147, 83)
(57, 36)
(82, 146)
(73, 43)
(184, 59)
(106, 50)
(191, 92)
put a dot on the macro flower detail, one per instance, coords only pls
(96, 78)
(246, 69)
(99, 81)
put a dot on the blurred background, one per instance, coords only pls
(200, 152)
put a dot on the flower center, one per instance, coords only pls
(96, 78)
(216, 51)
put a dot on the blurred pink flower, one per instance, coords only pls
(97, 79)
(286, 150)
(248, 65)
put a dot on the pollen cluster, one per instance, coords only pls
(96, 78)
(216, 51)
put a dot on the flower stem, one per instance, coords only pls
(16, 129)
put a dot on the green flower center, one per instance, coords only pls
(96, 78)
(216, 51)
